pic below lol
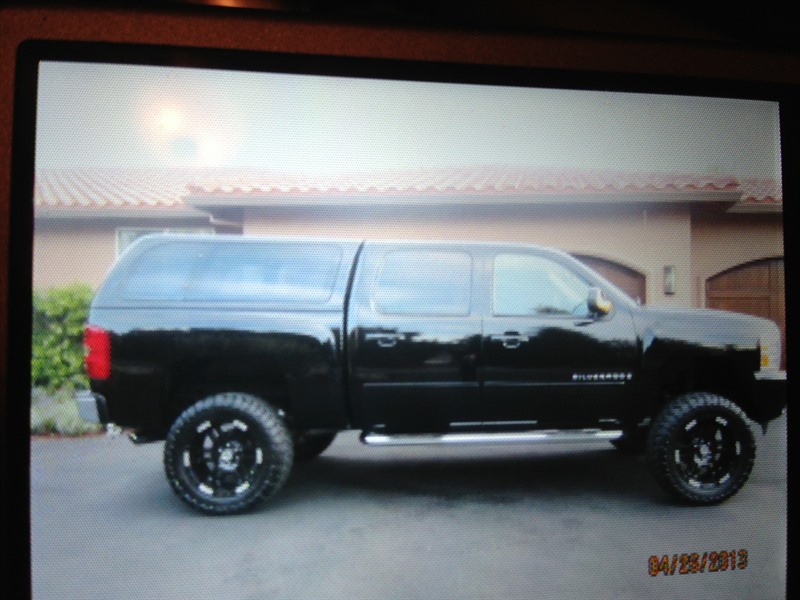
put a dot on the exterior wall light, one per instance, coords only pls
(669, 280)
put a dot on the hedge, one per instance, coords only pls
(59, 315)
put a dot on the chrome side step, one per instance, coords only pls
(546, 436)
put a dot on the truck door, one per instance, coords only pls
(414, 339)
(547, 360)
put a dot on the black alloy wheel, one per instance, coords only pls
(228, 452)
(701, 448)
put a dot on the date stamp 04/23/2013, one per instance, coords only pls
(695, 562)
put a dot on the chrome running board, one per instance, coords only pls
(546, 436)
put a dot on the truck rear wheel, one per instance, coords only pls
(227, 453)
(701, 448)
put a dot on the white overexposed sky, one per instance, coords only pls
(104, 115)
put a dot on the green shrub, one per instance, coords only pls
(59, 315)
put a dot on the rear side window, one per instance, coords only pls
(163, 272)
(424, 283)
(268, 273)
(285, 273)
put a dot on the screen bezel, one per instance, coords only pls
(20, 205)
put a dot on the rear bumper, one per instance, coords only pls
(91, 407)
(770, 395)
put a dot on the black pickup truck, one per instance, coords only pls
(247, 354)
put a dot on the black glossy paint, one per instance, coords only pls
(582, 368)
(455, 366)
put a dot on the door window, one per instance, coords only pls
(424, 283)
(525, 284)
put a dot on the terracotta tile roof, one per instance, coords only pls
(482, 181)
(76, 189)
(762, 191)
(109, 188)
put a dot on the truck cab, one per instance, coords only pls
(458, 336)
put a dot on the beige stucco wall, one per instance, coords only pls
(83, 250)
(728, 241)
(70, 252)
(644, 239)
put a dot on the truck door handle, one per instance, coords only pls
(512, 341)
(384, 340)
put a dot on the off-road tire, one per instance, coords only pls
(308, 446)
(701, 448)
(227, 453)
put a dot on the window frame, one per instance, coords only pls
(119, 249)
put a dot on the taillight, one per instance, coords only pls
(98, 352)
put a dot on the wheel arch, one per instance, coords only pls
(187, 389)
(728, 376)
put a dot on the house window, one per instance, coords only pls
(127, 235)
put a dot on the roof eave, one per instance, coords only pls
(757, 207)
(100, 212)
(209, 202)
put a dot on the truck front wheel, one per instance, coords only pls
(701, 448)
(228, 452)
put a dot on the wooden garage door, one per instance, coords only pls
(756, 288)
(630, 281)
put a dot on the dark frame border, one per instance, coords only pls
(20, 242)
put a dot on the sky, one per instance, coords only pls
(105, 115)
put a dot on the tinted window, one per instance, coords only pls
(163, 272)
(424, 283)
(238, 272)
(525, 284)
(283, 273)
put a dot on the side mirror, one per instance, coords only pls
(598, 305)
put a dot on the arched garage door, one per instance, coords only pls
(757, 288)
(630, 281)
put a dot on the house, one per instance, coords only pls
(678, 239)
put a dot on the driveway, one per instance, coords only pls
(567, 521)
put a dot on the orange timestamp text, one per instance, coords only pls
(689, 563)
